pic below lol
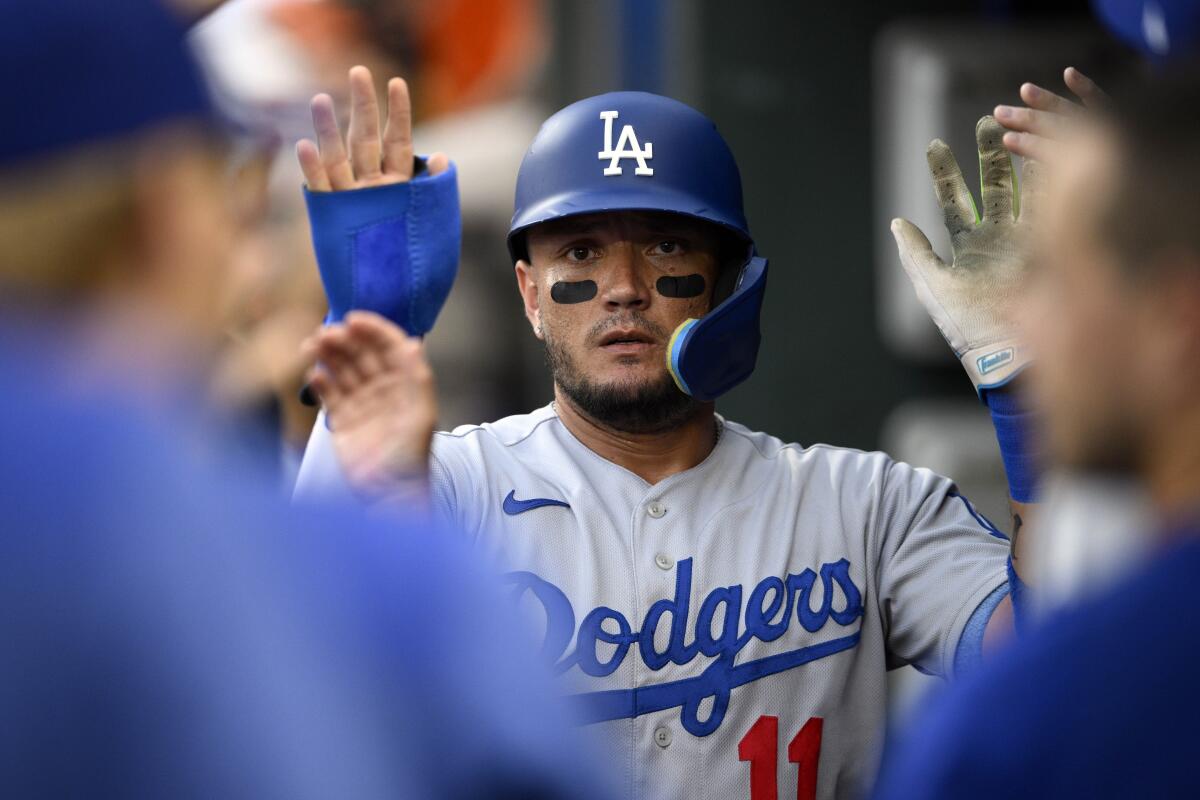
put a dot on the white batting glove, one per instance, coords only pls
(973, 299)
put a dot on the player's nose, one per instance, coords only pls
(626, 286)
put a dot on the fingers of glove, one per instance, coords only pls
(397, 137)
(958, 207)
(926, 271)
(1085, 88)
(310, 164)
(363, 133)
(995, 171)
(329, 139)
(916, 253)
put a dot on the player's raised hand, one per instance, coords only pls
(972, 298)
(1037, 130)
(367, 156)
(378, 393)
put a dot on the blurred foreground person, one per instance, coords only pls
(1096, 519)
(1100, 699)
(169, 628)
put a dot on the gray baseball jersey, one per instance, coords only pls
(727, 630)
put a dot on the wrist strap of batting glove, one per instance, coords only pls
(1014, 428)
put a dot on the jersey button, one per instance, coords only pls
(662, 737)
(656, 509)
(664, 561)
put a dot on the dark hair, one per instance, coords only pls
(1156, 207)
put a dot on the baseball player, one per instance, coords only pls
(723, 605)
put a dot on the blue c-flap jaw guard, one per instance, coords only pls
(709, 356)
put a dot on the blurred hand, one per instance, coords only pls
(380, 403)
(1035, 132)
(972, 300)
(365, 158)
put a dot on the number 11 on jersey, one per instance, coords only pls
(760, 746)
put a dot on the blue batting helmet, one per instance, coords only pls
(634, 151)
(627, 151)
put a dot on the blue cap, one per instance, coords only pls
(81, 71)
(1161, 29)
(627, 151)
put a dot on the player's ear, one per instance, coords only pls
(527, 285)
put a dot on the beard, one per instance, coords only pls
(636, 407)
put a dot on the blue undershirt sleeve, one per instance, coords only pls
(968, 655)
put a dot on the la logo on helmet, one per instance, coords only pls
(627, 147)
